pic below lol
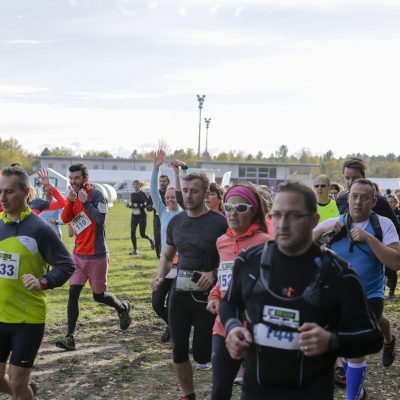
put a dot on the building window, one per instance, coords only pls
(50, 165)
(95, 166)
(63, 167)
(242, 172)
(114, 167)
(142, 169)
(272, 173)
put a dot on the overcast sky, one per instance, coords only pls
(120, 75)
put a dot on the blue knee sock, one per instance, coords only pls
(355, 377)
(345, 364)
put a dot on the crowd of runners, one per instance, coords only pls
(281, 292)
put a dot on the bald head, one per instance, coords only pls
(322, 185)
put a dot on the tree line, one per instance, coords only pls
(378, 166)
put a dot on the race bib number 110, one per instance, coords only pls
(9, 265)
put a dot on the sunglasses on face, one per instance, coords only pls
(239, 208)
(320, 186)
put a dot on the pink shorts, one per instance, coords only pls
(94, 269)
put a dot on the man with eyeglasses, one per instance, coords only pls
(293, 307)
(326, 207)
(193, 234)
(366, 240)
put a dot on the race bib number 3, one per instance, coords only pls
(225, 274)
(81, 222)
(9, 265)
(280, 328)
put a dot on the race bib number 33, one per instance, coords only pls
(9, 265)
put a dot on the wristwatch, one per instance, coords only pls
(44, 283)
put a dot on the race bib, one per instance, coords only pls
(136, 211)
(225, 274)
(80, 223)
(275, 335)
(9, 265)
(184, 281)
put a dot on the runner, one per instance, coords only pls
(353, 169)
(27, 245)
(193, 234)
(86, 210)
(303, 307)
(48, 209)
(366, 240)
(244, 211)
(160, 297)
(138, 203)
(326, 207)
(214, 198)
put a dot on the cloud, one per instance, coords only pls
(26, 41)
(19, 90)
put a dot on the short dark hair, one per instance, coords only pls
(20, 173)
(364, 181)
(215, 188)
(355, 163)
(205, 182)
(79, 167)
(310, 200)
(164, 176)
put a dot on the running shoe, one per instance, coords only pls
(152, 244)
(190, 397)
(125, 318)
(340, 376)
(66, 343)
(133, 253)
(391, 296)
(389, 353)
(239, 377)
(203, 367)
(166, 336)
(364, 395)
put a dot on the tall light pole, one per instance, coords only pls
(200, 99)
(207, 121)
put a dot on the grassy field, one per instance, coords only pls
(111, 364)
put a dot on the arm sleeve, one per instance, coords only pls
(60, 199)
(155, 194)
(97, 207)
(67, 215)
(358, 334)
(56, 254)
(215, 293)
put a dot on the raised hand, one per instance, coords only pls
(159, 157)
(43, 177)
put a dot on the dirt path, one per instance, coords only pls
(111, 364)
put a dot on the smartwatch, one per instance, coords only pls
(44, 283)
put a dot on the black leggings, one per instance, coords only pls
(224, 369)
(157, 234)
(187, 309)
(140, 220)
(73, 304)
(160, 299)
(391, 279)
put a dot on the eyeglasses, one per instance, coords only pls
(291, 216)
(320, 186)
(239, 208)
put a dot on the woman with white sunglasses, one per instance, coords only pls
(245, 213)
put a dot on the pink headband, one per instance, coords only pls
(246, 193)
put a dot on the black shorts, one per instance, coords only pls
(375, 306)
(22, 341)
